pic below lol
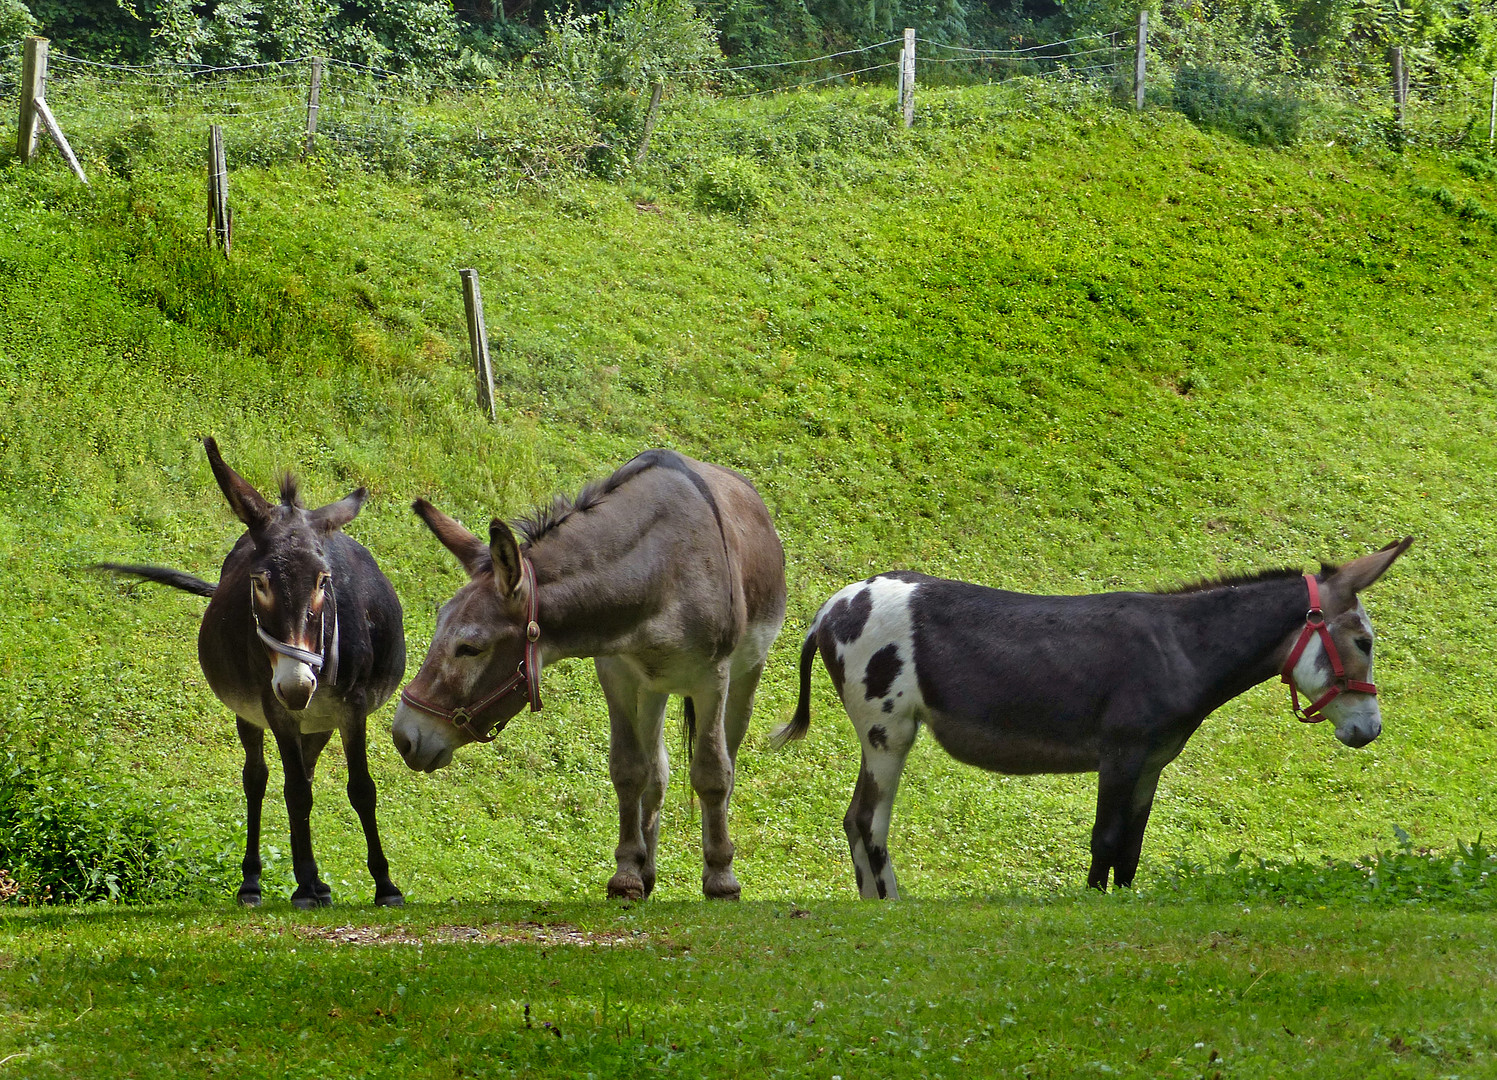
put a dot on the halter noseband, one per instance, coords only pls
(526, 679)
(1314, 713)
(328, 658)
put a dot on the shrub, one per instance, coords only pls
(1465, 878)
(70, 834)
(730, 185)
(610, 61)
(1217, 100)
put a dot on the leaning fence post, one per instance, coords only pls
(478, 342)
(33, 86)
(1400, 84)
(314, 95)
(220, 218)
(54, 129)
(1141, 59)
(651, 116)
(907, 78)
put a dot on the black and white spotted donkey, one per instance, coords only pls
(1112, 683)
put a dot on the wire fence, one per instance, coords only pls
(392, 121)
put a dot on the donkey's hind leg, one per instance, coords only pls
(363, 798)
(254, 778)
(712, 780)
(886, 744)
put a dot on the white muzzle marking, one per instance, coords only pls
(425, 743)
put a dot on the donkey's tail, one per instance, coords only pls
(800, 723)
(177, 579)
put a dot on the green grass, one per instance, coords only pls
(1078, 986)
(1038, 343)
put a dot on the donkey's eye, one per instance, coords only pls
(1365, 644)
(466, 650)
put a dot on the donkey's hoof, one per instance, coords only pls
(720, 885)
(306, 901)
(248, 897)
(625, 886)
(394, 899)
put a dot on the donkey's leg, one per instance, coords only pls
(712, 780)
(1117, 781)
(298, 789)
(254, 777)
(362, 797)
(312, 745)
(886, 743)
(1133, 836)
(1138, 818)
(637, 766)
(740, 708)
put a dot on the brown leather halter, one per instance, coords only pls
(1314, 713)
(526, 679)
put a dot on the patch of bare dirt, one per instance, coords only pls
(526, 933)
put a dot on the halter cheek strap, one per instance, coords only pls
(1315, 624)
(526, 679)
(327, 659)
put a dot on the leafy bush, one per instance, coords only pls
(1214, 99)
(1465, 878)
(69, 834)
(610, 61)
(730, 185)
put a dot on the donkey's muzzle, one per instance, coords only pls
(293, 682)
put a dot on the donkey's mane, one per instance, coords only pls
(1227, 581)
(546, 519)
(290, 496)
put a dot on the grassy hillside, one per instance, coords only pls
(1038, 343)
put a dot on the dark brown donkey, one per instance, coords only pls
(1112, 684)
(670, 575)
(302, 635)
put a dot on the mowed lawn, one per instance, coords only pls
(1073, 986)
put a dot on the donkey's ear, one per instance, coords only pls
(505, 551)
(249, 505)
(470, 550)
(335, 515)
(1360, 573)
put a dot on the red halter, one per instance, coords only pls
(526, 679)
(1315, 624)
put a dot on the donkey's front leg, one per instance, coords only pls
(363, 798)
(298, 789)
(255, 777)
(712, 780)
(639, 770)
(1117, 781)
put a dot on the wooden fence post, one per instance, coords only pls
(220, 217)
(907, 78)
(656, 92)
(899, 92)
(478, 342)
(1492, 123)
(314, 97)
(55, 130)
(33, 86)
(1400, 82)
(1141, 59)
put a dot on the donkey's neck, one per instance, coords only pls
(594, 591)
(1239, 634)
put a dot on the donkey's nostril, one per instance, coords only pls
(403, 745)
